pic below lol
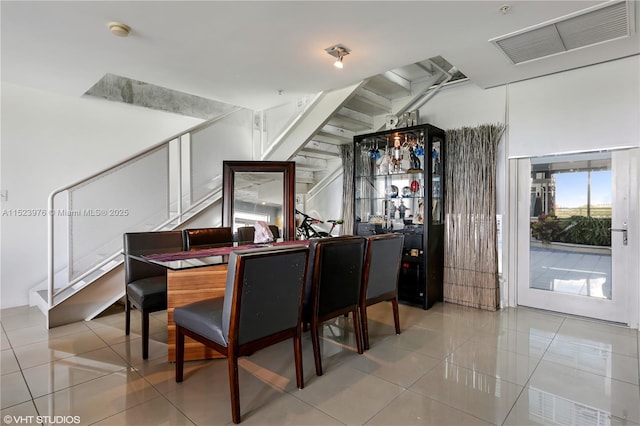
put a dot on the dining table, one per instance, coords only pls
(195, 275)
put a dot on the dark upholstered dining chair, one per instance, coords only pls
(261, 306)
(333, 285)
(246, 234)
(274, 231)
(382, 259)
(199, 238)
(146, 284)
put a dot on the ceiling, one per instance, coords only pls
(263, 53)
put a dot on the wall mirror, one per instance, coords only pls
(259, 190)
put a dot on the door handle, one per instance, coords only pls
(625, 240)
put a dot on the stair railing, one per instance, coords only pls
(157, 188)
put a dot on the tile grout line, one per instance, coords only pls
(526, 385)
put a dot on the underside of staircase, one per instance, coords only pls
(364, 107)
(313, 141)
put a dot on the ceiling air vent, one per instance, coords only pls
(606, 22)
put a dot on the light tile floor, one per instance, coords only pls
(450, 366)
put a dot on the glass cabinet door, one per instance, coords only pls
(437, 207)
(399, 187)
(389, 181)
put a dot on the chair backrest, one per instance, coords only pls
(335, 273)
(382, 264)
(275, 231)
(264, 292)
(245, 234)
(145, 243)
(206, 237)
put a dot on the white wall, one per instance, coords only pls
(464, 105)
(230, 139)
(589, 108)
(595, 107)
(49, 141)
(327, 204)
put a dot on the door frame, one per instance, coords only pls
(519, 185)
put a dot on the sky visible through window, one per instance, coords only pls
(571, 189)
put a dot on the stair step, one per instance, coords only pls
(79, 285)
(109, 266)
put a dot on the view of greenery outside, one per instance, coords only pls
(570, 219)
(574, 229)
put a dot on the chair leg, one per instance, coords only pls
(145, 334)
(297, 352)
(396, 314)
(365, 326)
(127, 316)
(315, 339)
(179, 354)
(234, 388)
(356, 327)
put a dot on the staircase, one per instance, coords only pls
(312, 139)
(102, 284)
(165, 187)
(335, 117)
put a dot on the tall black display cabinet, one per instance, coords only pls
(399, 187)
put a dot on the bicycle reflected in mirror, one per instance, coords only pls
(305, 230)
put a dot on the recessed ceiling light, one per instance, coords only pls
(119, 29)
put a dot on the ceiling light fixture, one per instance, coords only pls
(119, 29)
(504, 8)
(339, 52)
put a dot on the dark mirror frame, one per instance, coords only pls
(288, 170)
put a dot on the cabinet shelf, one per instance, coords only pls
(413, 197)
(419, 214)
(405, 175)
